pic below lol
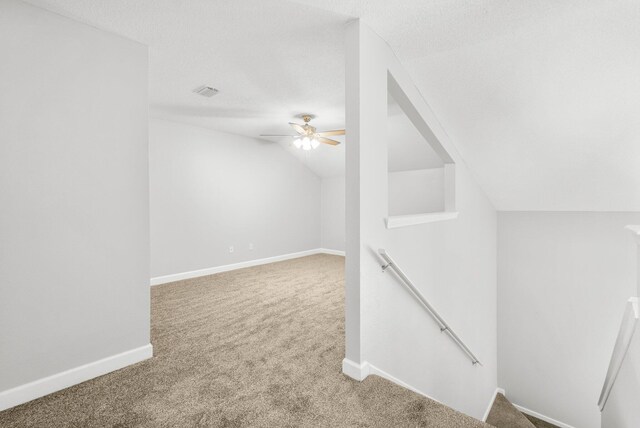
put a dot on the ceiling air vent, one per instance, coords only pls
(205, 91)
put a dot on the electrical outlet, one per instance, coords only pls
(251, 245)
(231, 249)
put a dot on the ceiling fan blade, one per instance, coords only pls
(328, 141)
(299, 129)
(276, 135)
(331, 133)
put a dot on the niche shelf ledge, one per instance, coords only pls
(635, 229)
(396, 221)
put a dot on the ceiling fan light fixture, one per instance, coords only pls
(308, 138)
(306, 143)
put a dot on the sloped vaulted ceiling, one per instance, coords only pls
(542, 98)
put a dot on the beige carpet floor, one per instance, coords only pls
(538, 423)
(257, 347)
(503, 414)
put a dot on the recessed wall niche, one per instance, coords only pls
(420, 173)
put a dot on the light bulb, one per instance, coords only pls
(306, 143)
(315, 143)
(297, 142)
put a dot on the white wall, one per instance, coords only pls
(564, 279)
(453, 263)
(410, 192)
(332, 217)
(416, 192)
(212, 190)
(74, 222)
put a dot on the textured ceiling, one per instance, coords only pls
(271, 60)
(540, 97)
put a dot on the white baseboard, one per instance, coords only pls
(334, 252)
(376, 371)
(361, 371)
(41, 387)
(493, 399)
(218, 269)
(542, 417)
(355, 371)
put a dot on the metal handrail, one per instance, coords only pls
(625, 335)
(444, 327)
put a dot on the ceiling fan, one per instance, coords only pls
(308, 138)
